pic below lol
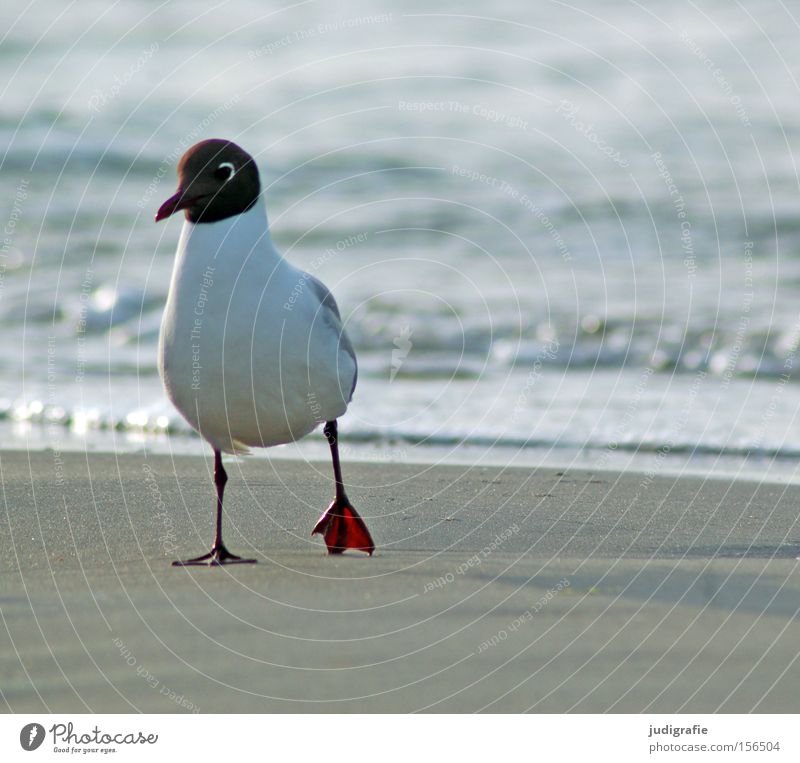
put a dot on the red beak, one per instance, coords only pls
(179, 201)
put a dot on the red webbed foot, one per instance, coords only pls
(342, 528)
(217, 557)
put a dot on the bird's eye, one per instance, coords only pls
(225, 171)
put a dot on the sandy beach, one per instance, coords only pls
(491, 590)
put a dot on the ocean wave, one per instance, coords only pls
(160, 419)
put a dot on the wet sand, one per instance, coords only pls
(491, 590)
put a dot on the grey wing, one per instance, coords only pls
(332, 317)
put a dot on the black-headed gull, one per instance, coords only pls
(252, 350)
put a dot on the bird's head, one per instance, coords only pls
(216, 179)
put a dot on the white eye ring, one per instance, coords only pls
(227, 165)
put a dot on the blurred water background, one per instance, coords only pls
(556, 230)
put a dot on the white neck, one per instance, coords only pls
(234, 238)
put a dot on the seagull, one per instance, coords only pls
(252, 351)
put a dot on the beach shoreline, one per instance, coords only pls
(696, 462)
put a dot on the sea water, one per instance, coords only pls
(551, 227)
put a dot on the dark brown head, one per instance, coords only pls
(216, 179)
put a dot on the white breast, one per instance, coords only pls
(248, 353)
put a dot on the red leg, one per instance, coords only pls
(218, 555)
(340, 525)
